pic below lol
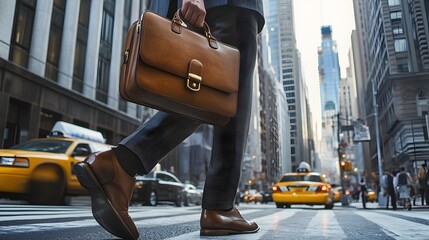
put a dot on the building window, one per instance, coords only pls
(55, 39)
(292, 150)
(22, 32)
(288, 82)
(400, 45)
(398, 30)
(81, 42)
(396, 16)
(290, 95)
(105, 51)
(291, 88)
(102, 80)
(394, 2)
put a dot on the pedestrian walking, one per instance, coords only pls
(363, 191)
(109, 176)
(423, 182)
(402, 182)
(390, 190)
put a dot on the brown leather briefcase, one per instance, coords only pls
(173, 69)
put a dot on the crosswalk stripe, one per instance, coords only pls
(403, 228)
(266, 224)
(324, 224)
(40, 227)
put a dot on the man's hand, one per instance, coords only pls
(194, 12)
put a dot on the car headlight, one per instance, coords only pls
(14, 162)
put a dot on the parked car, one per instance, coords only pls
(252, 195)
(309, 188)
(40, 170)
(267, 196)
(191, 195)
(156, 187)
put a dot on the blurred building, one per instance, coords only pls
(285, 60)
(60, 60)
(392, 45)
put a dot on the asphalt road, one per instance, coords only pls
(19, 221)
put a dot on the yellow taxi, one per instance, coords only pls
(303, 187)
(40, 170)
(370, 195)
(337, 193)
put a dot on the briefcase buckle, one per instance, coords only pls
(195, 78)
(194, 82)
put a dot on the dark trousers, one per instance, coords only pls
(363, 195)
(422, 195)
(163, 132)
(392, 197)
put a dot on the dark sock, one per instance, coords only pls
(129, 161)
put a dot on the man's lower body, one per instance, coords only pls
(363, 200)
(109, 175)
(422, 195)
(427, 195)
(392, 197)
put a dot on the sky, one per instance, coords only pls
(309, 17)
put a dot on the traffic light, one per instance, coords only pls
(346, 166)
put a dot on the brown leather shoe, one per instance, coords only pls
(111, 189)
(216, 223)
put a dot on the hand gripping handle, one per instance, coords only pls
(177, 23)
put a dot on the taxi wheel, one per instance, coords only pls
(279, 205)
(47, 186)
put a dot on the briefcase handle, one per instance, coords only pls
(177, 23)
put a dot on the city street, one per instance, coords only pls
(21, 221)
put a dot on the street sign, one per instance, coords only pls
(361, 132)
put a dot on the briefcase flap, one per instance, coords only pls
(173, 52)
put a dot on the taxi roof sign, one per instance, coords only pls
(304, 167)
(65, 129)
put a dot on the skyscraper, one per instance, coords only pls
(329, 77)
(286, 63)
(329, 72)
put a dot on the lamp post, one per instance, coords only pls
(377, 136)
(344, 201)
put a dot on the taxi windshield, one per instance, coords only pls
(52, 146)
(297, 178)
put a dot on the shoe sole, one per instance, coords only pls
(223, 232)
(102, 209)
